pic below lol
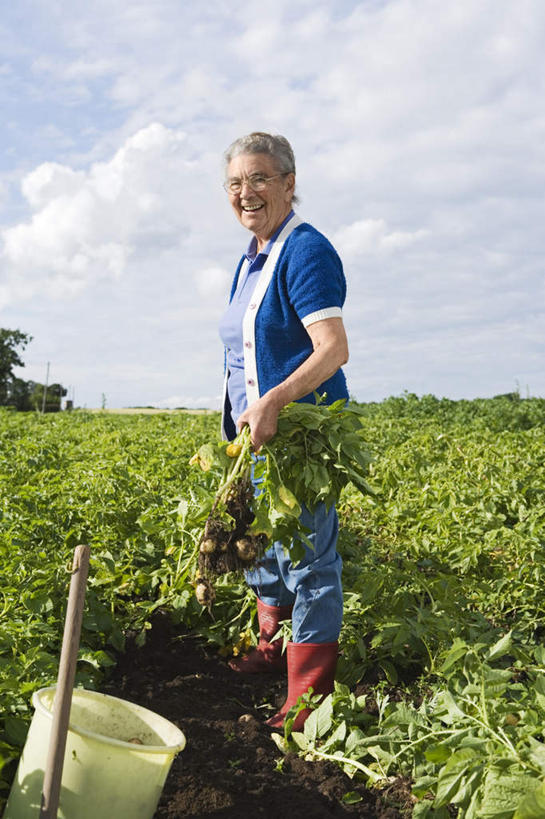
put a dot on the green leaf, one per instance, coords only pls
(351, 798)
(324, 716)
(503, 793)
(540, 684)
(458, 650)
(16, 730)
(39, 603)
(455, 778)
(445, 702)
(539, 654)
(423, 786)
(425, 810)
(183, 509)
(301, 740)
(285, 502)
(390, 671)
(537, 753)
(98, 659)
(261, 523)
(280, 742)
(206, 456)
(438, 753)
(287, 497)
(539, 688)
(501, 648)
(355, 738)
(496, 681)
(404, 715)
(532, 806)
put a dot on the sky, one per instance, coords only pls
(419, 134)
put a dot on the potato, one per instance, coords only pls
(246, 549)
(204, 592)
(208, 546)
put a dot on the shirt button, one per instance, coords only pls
(251, 382)
(252, 306)
(248, 344)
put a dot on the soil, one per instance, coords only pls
(231, 766)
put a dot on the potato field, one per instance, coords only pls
(441, 678)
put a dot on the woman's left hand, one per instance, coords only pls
(262, 418)
(330, 351)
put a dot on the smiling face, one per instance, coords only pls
(260, 212)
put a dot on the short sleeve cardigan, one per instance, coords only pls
(306, 285)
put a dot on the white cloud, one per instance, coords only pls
(89, 224)
(50, 181)
(372, 236)
(211, 280)
(420, 142)
(189, 401)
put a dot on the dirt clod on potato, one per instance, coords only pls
(204, 592)
(225, 550)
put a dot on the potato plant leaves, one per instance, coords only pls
(444, 574)
(317, 450)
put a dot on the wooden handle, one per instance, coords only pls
(65, 684)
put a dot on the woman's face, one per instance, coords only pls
(261, 212)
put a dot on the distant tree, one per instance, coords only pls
(21, 394)
(10, 341)
(16, 392)
(29, 395)
(55, 392)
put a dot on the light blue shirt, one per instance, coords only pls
(230, 327)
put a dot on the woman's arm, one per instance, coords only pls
(330, 351)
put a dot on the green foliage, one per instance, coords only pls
(119, 484)
(317, 451)
(15, 392)
(444, 573)
(474, 742)
(10, 342)
(441, 677)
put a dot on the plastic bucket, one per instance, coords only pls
(107, 773)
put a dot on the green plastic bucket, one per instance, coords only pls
(117, 759)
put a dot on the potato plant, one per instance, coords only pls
(316, 452)
(442, 649)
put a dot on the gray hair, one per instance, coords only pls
(274, 145)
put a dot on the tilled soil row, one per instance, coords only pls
(230, 766)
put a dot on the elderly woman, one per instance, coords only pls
(284, 339)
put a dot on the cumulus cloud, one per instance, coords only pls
(419, 137)
(372, 236)
(88, 224)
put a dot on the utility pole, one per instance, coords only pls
(45, 388)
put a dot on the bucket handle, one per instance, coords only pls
(65, 684)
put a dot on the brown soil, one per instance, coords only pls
(230, 766)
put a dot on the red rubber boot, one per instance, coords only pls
(266, 656)
(309, 664)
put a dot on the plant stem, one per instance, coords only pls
(244, 439)
(373, 776)
(501, 738)
(187, 564)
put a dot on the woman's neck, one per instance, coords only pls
(262, 241)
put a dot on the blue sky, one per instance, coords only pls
(419, 134)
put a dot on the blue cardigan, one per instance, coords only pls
(307, 284)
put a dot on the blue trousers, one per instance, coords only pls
(313, 586)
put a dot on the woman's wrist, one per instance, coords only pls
(278, 397)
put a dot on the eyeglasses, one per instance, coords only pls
(257, 182)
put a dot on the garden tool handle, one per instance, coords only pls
(65, 684)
